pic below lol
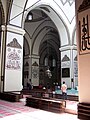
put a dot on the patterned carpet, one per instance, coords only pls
(11, 108)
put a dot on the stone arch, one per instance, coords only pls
(2, 14)
(46, 7)
(59, 22)
(26, 47)
(55, 16)
(62, 25)
(52, 46)
(38, 40)
(28, 39)
(74, 36)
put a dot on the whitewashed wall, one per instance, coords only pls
(14, 60)
(66, 64)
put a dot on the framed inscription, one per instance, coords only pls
(65, 72)
(84, 35)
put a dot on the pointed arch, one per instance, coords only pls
(2, 14)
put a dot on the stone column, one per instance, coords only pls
(35, 70)
(83, 40)
(2, 56)
(67, 65)
(13, 60)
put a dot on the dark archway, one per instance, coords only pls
(48, 44)
(50, 56)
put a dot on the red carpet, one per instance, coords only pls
(9, 108)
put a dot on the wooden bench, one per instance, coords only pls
(52, 95)
(11, 96)
(54, 105)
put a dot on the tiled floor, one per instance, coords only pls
(21, 112)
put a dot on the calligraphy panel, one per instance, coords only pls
(84, 31)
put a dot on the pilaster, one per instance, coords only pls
(83, 40)
(12, 57)
(35, 70)
(68, 54)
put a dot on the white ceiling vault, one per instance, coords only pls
(61, 12)
(64, 8)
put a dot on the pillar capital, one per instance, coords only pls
(71, 47)
(14, 29)
(34, 56)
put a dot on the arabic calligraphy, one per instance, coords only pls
(84, 35)
(13, 59)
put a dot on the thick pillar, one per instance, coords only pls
(13, 62)
(83, 40)
(35, 70)
(67, 65)
(31, 70)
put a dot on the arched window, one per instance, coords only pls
(30, 16)
(46, 62)
(54, 63)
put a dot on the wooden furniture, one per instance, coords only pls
(11, 96)
(51, 95)
(84, 111)
(54, 105)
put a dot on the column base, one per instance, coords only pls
(84, 111)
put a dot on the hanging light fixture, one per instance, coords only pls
(48, 72)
